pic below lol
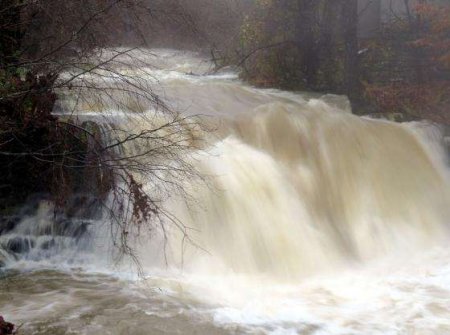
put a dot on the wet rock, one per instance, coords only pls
(32, 204)
(63, 227)
(20, 245)
(48, 244)
(81, 230)
(8, 223)
(70, 228)
(6, 328)
(47, 230)
(446, 142)
(84, 207)
(16, 245)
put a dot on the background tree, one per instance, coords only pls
(407, 70)
(351, 60)
(299, 44)
(393, 65)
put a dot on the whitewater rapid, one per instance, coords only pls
(310, 221)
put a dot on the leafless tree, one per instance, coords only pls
(63, 59)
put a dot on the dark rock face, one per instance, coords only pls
(29, 183)
(8, 223)
(62, 227)
(446, 141)
(20, 245)
(6, 328)
(83, 206)
(48, 245)
(69, 228)
(50, 221)
(81, 230)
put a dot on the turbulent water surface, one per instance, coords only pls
(313, 221)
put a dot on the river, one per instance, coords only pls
(312, 221)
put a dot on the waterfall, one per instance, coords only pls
(299, 189)
(306, 218)
(297, 185)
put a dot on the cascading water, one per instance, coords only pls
(305, 188)
(313, 221)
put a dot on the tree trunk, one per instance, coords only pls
(328, 45)
(415, 28)
(351, 64)
(10, 32)
(369, 13)
(306, 40)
